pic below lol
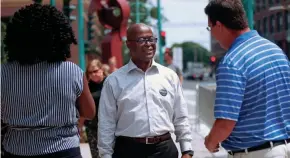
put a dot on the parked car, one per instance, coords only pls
(195, 71)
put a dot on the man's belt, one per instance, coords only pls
(266, 145)
(148, 140)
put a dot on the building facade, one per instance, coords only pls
(272, 21)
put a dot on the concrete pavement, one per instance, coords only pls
(199, 129)
(85, 150)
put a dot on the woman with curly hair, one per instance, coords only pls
(42, 94)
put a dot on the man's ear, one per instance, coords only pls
(219, 24)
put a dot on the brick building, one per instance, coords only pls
(8, 7)
(272, 21)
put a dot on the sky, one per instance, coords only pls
(187, 21)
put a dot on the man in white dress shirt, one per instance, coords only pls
(141, 104)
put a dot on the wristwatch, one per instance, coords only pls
(189, 152)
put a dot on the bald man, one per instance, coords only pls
(141, 104)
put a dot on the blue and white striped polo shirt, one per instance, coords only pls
(39, 102)
(253, 88)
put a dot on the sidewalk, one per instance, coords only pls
(85, 150)
(199, 129)
(198, 135)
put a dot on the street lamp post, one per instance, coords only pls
(161, 57)
(52, 2)
(249, 8)
(81, 46)
(137, 14)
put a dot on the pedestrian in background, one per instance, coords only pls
(96, 77)
(252, 106)
(40, 89)
(168, 56)
(141, 104)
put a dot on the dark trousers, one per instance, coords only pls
(132, 149)
(92, 135)
(69, 153)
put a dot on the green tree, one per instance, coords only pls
(189, 50)
(154, 14)
(148, 11)
(144, 12)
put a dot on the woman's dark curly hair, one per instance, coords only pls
(38, 33)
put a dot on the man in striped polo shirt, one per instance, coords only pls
(252, 106)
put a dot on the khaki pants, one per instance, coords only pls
(280, 151)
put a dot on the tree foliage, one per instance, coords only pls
(189, 50)
(144, 11)
(154, 14)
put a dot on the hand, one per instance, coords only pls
(186, 156)
(210, 146)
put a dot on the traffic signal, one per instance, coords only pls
(91, 27)
(37, 1)
(213, 60)
(163, 38)
(68, 8)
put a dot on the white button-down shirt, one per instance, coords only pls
(135, 103)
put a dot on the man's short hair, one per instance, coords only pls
(230, 13)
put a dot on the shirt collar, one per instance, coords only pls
(131, 66)
(243, 37)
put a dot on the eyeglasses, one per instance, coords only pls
(95, 71)
(208, 28)
(143, 40)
